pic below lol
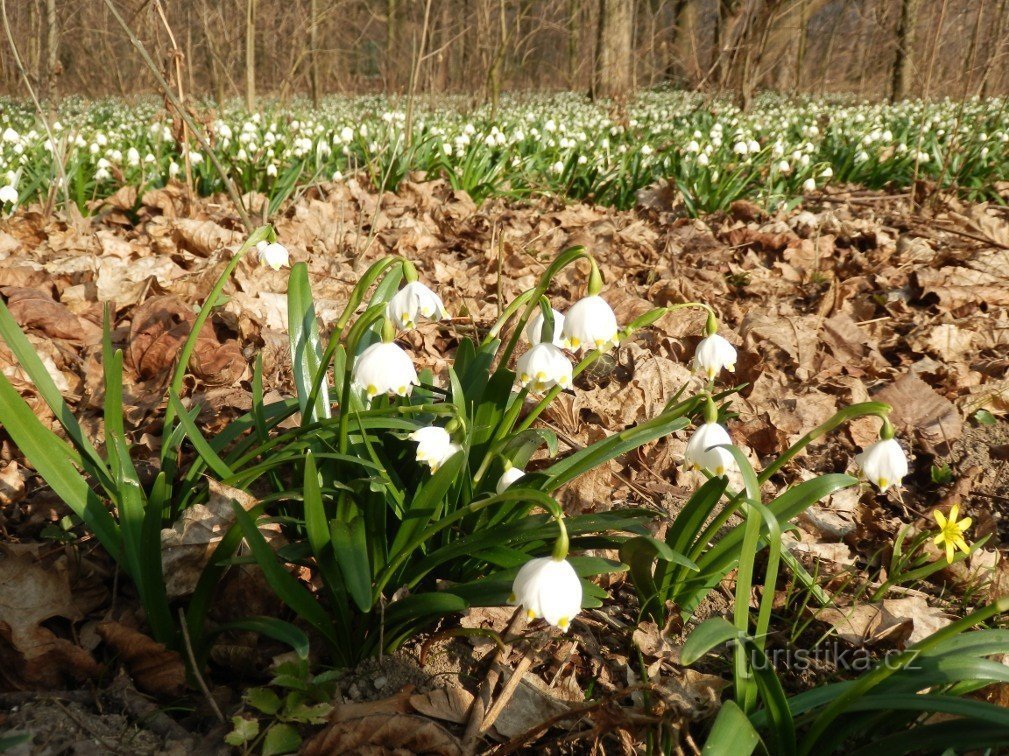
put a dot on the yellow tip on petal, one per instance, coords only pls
(530, 614)
(372, 390)
(719, 470)
(563, 623)
(511, 599)
(883, 484)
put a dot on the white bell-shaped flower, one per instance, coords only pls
(884, 463)
(434, 446)
(384, 368)
(273, 255)
(714, 353)
(8, 194)
(704, 450)
(590, 324)
(508, 477)
(543, 367)
(534, 329)
(413, 300)
(548, 588)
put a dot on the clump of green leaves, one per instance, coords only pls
(274, 715)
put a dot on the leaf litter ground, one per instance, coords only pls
(849, 297)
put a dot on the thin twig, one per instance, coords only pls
(196, 670)
(229, 185)
(506, 692)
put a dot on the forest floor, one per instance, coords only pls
(849, 297)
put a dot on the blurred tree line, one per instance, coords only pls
(480, 48)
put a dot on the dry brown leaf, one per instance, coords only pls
(30, 654)
(892, 621)
(187, 546)
(35, 309)
(155, 669)
(12, 485)
(450, 704)
(384, 735)
(918, 409)
(203, 237)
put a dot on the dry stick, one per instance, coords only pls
(38, 106)
(177, 57)
(196, 670)
(506, 693)
(229, 185)
(481, 705)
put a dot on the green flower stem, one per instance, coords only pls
(263, 233)
(562, 543)
(507, 315)
(843, 416)
(595, 279)
(563, 260)
(503, 430)
(397, 561)
(373, 274)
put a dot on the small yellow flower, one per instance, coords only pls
(951, 532)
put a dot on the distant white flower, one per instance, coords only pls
(8, 194)
(534, 329)
(884, 463)
(413, 300)
(508, 477)
(703, 159)
(543, 367)
(714, 353)
(384, 368)
(704, 450)
(548, 588)
(740, 148)
(434, 446)
(558, 167)
(590, 323)
(273, 255)
(809, 185)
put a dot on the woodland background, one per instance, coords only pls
(245, 48)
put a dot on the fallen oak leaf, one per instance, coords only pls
(384, 735)
(154, 668)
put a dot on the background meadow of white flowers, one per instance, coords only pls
(709, 150)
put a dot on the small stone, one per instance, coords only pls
(380, 683)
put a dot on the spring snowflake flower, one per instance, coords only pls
(809, 185)
(384, 368)
(509, 476)
(413, 300)
(714, 353)
(884, 463)
(8, 194)
(434, 446)
(704, 450)
(951, 532)
(590, 323)
(534, 329)
(549, 588)
(273, 255)
(543, 367)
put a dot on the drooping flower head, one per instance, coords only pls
(713, 353)
(884, 463)
(434, 446)
(705, 450)
(590, 324)
(548, 587)
(412, 301)
(384, 368)
(508, 477)
(273, 255)
(534, 329)
(543, 367)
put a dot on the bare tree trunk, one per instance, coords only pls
(903, 62)
(391, 45)
(573, 29)
(250, 55)
(614, 74)
(52, 53)
(800, 49)
(313, 50)
(995, 44)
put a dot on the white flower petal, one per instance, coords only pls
(590, 324)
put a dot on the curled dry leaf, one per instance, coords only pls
(384, 735)
(450, 704)
(161, 326)
(154, 668)
(892, 621)
(203, 238)
(918, 409)
(34, 309)
(30, 654)
(187, 546)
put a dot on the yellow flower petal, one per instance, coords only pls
(940, 518)
(954, 511)
(964, 523)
